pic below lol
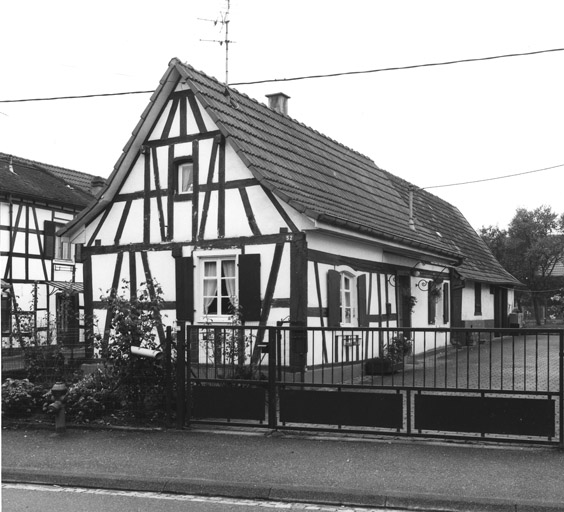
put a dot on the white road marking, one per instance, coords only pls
(191, 498)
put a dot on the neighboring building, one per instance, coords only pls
(218, 196)
(42, 292)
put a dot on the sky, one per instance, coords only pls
(432, 125)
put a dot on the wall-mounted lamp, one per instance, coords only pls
(415, 272)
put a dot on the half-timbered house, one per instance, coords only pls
(42, 291)
(221, 198)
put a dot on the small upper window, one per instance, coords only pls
(348, 302)
(185, 177)
(62, 249)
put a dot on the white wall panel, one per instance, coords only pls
(107, 232)
(103, 267)
(236, 222)
(133, 228)
(35, 270)
(135, 180)
(183, 221)
(160, 124)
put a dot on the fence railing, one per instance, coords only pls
(500, 359)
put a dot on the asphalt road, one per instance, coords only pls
(36, 498)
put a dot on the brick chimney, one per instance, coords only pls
(278, 102)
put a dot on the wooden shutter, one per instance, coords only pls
(78, 253)
(431, 304)
(477, 298)
(333, 298)
(49, 229)
(361, 301)
(446, 304)
(185, 289)
(6, 313)
(249, 286)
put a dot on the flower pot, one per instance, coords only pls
(382, 366)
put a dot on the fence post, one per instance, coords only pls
(168, 375)
(180, 375)
(272, 396)
(192, 332)
(561, 383)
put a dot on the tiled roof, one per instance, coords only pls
(333, 183)
(38, 181)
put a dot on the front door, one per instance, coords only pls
(501, 318)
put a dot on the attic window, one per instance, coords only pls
(185, 178)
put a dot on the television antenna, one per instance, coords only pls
(223, 20)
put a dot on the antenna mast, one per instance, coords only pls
(224, 20)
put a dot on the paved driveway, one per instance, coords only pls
(512, 363)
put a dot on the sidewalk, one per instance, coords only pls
(319, 469)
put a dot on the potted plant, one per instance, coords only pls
(391, 360)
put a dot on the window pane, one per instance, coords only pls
(228, 268)
(185, 177)
(210, 268)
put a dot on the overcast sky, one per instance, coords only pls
(432, 125)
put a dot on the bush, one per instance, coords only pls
(92, 398)
(21, 397)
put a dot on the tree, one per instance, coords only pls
(530, 249)
(496, 240)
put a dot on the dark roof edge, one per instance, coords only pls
(121, 166)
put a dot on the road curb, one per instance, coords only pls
(242, 490)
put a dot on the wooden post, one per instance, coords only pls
(272, 395)
(192, 332)
(168, 375)
(180, 376)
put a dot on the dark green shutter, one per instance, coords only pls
(431, 304)
(49, 229)
(333, 298)
(249, 287)
(185, 289)
(78, 253)
(446, 303)
(362, 306)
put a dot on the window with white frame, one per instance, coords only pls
(348, 299)
(218, 286)
(185, 177)
(62, 248)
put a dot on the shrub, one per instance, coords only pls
(20, 397)
(91, 398)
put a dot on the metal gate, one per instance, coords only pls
(502, 386)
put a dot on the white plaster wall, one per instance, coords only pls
(235, 169)
(205, 148)
(133, 228)
(135, 179)
(211, 221)
(63, 217)
(160, 124)
(4, 214)
(183, 221)
(236, 222)
(33, 244)
(161, 264)
(4, 241)
(468, 303)
(19, 242)
(344, 246)
(35, 269)
(103, 266)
